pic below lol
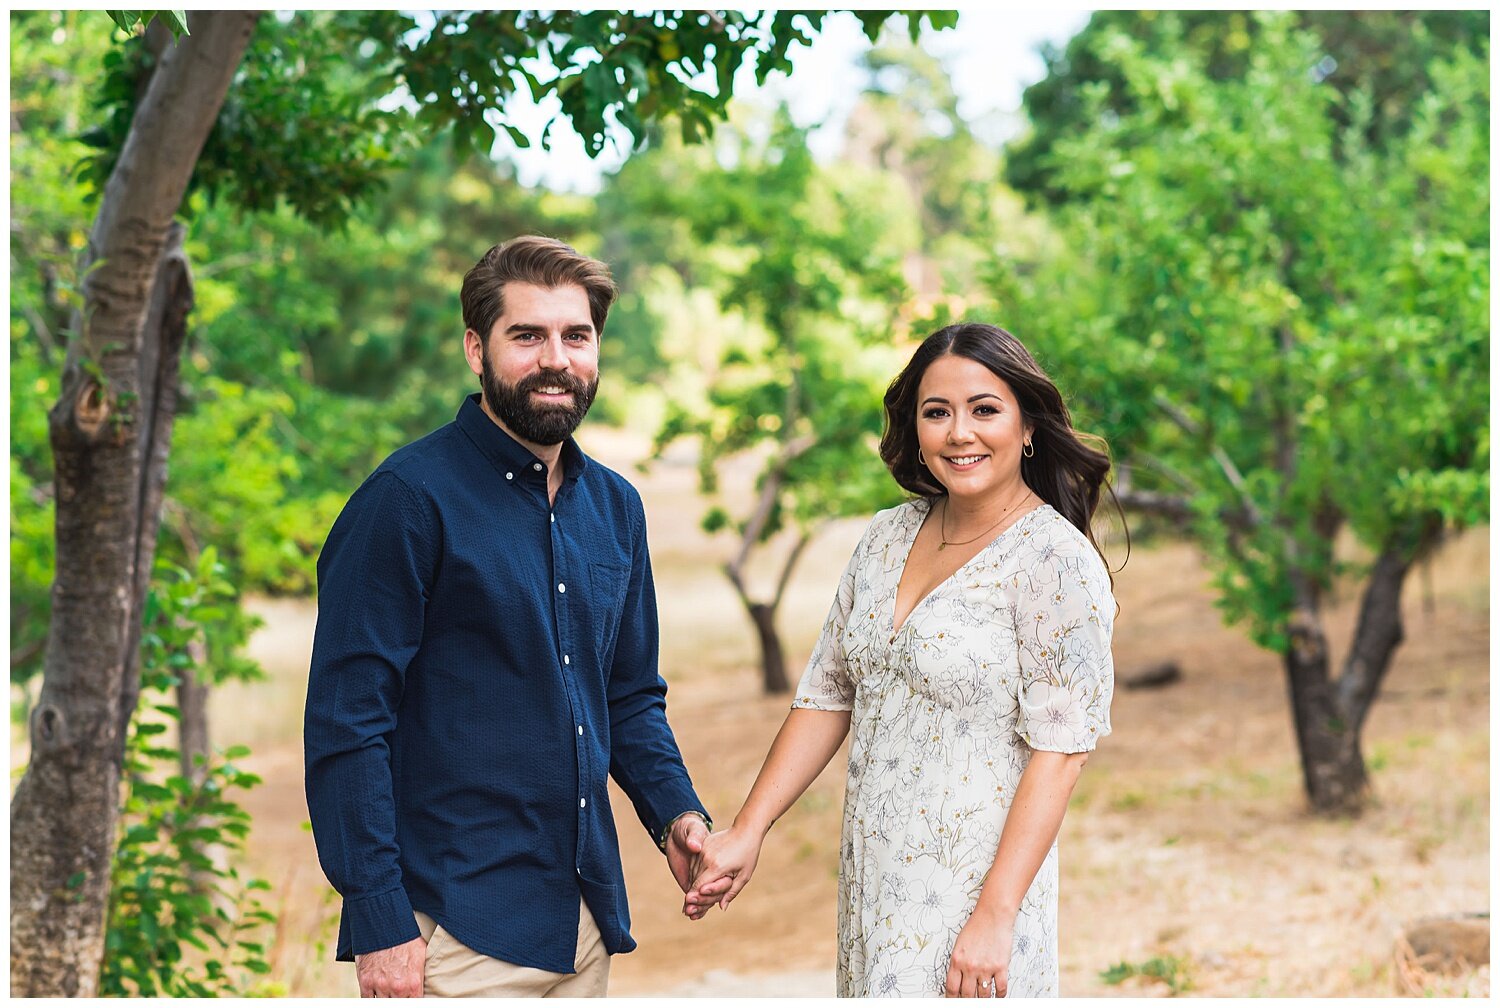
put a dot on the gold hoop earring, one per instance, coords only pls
(921, 459)
(1027, 449)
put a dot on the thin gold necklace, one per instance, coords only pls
(944, 541)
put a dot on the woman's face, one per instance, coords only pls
(970, 429)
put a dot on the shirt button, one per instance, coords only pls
(561, 587)
(580, 729)
(583, 802)
(553, 517)
(537, 466)
(566, 660)
(510, 475)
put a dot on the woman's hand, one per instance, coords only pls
(724, 868)
(981, 956)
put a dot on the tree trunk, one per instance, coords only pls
(192, 726)
(772, 663)
(763, 614)
(110, 432)
(1330, 714)
(1333, 768)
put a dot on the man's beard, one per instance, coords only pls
(542, 425)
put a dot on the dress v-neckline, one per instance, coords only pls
(896, 591)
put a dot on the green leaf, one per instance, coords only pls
(519, 138)
(175, 20)
(127, 20)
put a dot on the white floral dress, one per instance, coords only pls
(1008, 655)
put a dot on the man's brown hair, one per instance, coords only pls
(533, 259)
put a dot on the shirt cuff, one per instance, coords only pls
(380, 922)
(667, 830)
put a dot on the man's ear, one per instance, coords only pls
(474, 351)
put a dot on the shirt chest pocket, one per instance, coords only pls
(608, 584)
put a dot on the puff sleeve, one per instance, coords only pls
(1064, 623)
(826, 684)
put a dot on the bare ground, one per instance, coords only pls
(1187, 841)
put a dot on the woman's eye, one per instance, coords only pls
(985, 411)
(934, 414)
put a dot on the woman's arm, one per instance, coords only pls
(982, 951)
(804, 745)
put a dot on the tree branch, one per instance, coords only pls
(43, 335)
(786, 570)
(1177, 510)
(1380, 631)
(766, 503)
(1216, 452)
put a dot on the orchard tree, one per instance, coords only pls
(1382, 55)
(1283, 331)
(807, 260)
(299, 122)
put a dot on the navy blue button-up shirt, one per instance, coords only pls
(482, 662)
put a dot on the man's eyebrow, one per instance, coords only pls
(532, 326)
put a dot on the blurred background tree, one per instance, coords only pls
(806, 266)
(1276, 310)
(1385, 56)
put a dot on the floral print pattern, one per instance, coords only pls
(1009, 655)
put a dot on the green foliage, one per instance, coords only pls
(907, 122)
(128, 21)
(1385, 56)
(241, 478)
(371, 310)
(308, 120)
(54, 58)
(1270, 316)
(805, 263)
(1171, 970)
(300, 124)
(182, 922)
(607, 68)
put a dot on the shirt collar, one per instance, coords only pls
(505, 452)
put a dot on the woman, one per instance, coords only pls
(969, 646)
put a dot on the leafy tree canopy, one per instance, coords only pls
(1273, 317)
(1384, 55)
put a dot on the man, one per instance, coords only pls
(485, 655)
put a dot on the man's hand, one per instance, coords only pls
(684, 845)
(392, 972)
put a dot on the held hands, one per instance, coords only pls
(981, 956)
(684, 842)
(393, 972)
(725, 866)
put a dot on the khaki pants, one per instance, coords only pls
(455, 970)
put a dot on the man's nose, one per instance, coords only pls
(554, 357)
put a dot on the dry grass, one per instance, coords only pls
(1187, 842)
